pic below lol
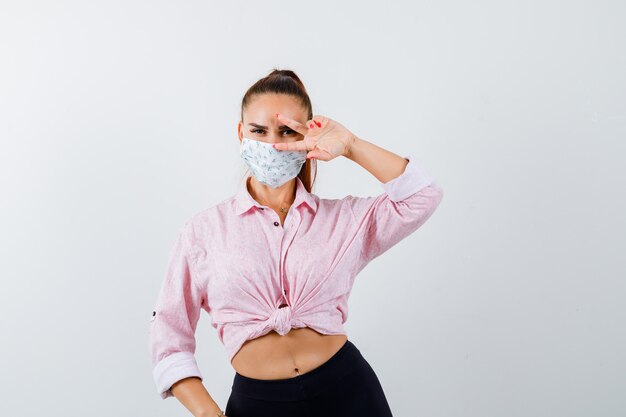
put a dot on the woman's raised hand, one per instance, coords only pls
(324, 138)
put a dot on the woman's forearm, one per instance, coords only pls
(381, 163)
(194, 396)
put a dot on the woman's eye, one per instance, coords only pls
(289, 131)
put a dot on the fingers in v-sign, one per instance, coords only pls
(314, 135)
(299, 145)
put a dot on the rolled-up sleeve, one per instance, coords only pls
(172, 342)
(406, 203)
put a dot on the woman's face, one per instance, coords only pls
(260, 123)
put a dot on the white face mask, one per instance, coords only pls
(268, 165)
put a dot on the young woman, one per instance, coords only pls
(274, 265)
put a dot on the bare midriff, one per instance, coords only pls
(273, 356)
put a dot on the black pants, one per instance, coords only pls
(343, 386)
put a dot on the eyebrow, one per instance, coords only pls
(265, 127)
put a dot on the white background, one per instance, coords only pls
(118, 121)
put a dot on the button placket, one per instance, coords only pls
(289, 235)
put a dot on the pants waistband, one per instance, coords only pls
(304, 385)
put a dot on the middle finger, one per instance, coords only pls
(293, 124)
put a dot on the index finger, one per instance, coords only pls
(294, 125)
(298, 145)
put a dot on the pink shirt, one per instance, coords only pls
(235, 261)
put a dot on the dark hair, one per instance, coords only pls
(286, 82)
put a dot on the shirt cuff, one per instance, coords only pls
(173, 368)
(412, 180)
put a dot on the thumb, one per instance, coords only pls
(321, 152)
(315, 153)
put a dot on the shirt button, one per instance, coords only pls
(276, 223)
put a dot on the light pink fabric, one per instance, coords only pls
(238, 263)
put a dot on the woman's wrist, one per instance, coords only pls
(212, 412)
(353, 145)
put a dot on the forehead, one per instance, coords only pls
(263, 108)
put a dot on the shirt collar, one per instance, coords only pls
(244, 200)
